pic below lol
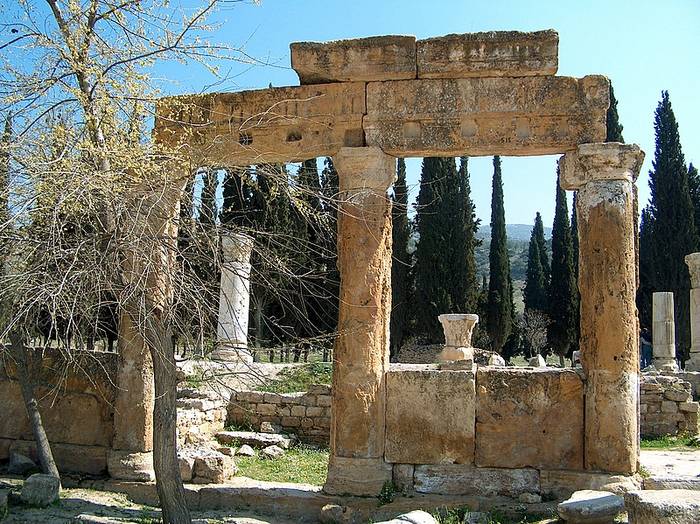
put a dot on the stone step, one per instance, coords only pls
(254, 439)
(679, 506)
(660, 483)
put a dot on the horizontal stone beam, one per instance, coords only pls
(285, 124)
(485, 116)
(360, 59)
(495, 53)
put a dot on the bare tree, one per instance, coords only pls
(533, 325)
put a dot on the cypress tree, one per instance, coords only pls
(612, 120)
(538, 231)
(499, 314)
(329, 192)
(673, 235)
(535, 292)
(694, 186)
(465, 288)
(646, 269)
(208, 210)
(401, 261)
(563, 298)
(435, 251)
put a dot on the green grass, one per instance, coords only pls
(300, 464)
(456, 516)
(670, 442)
(299, 378)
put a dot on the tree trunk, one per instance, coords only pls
(562, 363)
(171, 492)
(43, 448)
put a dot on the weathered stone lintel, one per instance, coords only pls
(285, 124)
(360, 59)
(494, 53)
(485, 116)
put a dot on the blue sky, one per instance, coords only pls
(644, 46)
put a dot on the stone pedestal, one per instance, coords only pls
(664, 332)
(361, 355)
(604, 174)
(693, 261)
(234, 299)
(458, 330)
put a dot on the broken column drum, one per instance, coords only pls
(234, 299)
(361, 354)
(693, 261)
(664, 331)
(603, 174)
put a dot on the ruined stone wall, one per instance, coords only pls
(75, 400)
(306, 414)
(694, 378)
(666, 406)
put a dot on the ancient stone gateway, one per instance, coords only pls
(367, 101)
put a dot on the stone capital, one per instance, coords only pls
(237, 247)
(600, 161)
(693, 261)
(364, 168)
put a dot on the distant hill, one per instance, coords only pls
(513, 231)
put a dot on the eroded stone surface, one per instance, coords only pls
(40, 490)
(494, 53)
(429, 415)
(594, 507)
(671, 506)
(485, 116)
(254, 439)
(280, 124)
(529, 418)
(562, 484)
(359, 59)
(356, 476)
(603, 175)
(462, 479)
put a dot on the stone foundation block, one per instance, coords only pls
(402, 477)
(127, 465)
(561, 484)
(529, 418)
(357, 476)
(458, 479)
(430, 415)
(673, 506)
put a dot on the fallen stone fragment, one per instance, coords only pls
(185, 462)
(245, 451)
(671, 506)
(335, 514)
(537, 362)
(213, 467)
(254, 439)
(589, 506)
(226, 450)
(40, 490)
(414, 517)
(477, 517)
(496, 360)
(530, 498)
(20, 464)
(272, 452)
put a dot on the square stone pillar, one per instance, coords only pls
(604, 174)
(693, 261)
(361, 354)
(664, 331)
(234, 299)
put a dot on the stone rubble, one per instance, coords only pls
(413, 517)
(40, 490)
(20, 464)
(272, 452)
(589, 506)
(253, 439)
(245, 451)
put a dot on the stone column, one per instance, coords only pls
(361, 354)
(693, 261)
(603, 175)
(664, 332)
(131, 456)
(234, 299)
